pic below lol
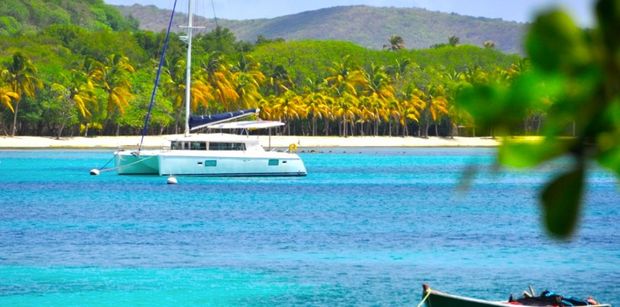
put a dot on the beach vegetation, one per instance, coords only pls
(21, 76)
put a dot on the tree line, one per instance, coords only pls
(68, 81)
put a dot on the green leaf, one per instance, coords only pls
(608, 15)
(484, 103)
(528, 154)
(555, 43)
(611, 160)
(561, 201)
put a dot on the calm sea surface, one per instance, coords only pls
(365, 227)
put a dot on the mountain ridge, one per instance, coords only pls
(367, 26)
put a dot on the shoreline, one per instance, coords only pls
(160, 141)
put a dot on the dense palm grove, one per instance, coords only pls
(65, 80)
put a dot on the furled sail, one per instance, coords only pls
(201, 121)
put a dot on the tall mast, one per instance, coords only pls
(188, 71)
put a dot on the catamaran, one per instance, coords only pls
(211, 154)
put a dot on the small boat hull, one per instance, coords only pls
(434, 298)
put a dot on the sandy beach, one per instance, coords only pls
(113, 142)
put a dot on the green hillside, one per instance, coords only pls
(364, 25)
(83, 69)
(20, 16)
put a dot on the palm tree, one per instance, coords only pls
(396, 42)
(489, 44)
(366, 112)
(112, 76)
(174, 87)
(413, 105)
(317, 103)
(377, 81)
(399, 69)
(343, 83)
(378, 107)
(344, 78)
(80, 91)
(7, 97)
(437, 106)
(289, 106)
(20, 75)
(76, 91)
(247, 81)
(453, 40)
(266, 108)
(379, 89)
(279, 80)
(345, 107)
(217, 75)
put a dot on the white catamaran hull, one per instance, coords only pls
(165, 163)
(129, 163)
(231, 164)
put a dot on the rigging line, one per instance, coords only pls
(161, 64)
(214, 16)
(106, 164)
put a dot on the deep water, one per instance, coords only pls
(365, 227)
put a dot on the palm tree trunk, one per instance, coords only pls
(15, 118)
(313, 126)
(436, 129)
(326, 127)
(2, 128)
(454, 128)
(60, 129)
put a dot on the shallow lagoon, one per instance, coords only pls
(365, 227)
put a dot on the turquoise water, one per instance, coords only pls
(365, 227)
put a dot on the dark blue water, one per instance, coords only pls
(365, 227)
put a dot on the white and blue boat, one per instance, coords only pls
(211, 154)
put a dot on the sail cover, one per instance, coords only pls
(249, 124)
(201, 121)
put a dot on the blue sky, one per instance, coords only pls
(515, 10)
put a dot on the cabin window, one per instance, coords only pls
(210, 163)
(199, 146)
(273, 162)
(179, 145)
(226, 146)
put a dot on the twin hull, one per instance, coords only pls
(197, 163)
